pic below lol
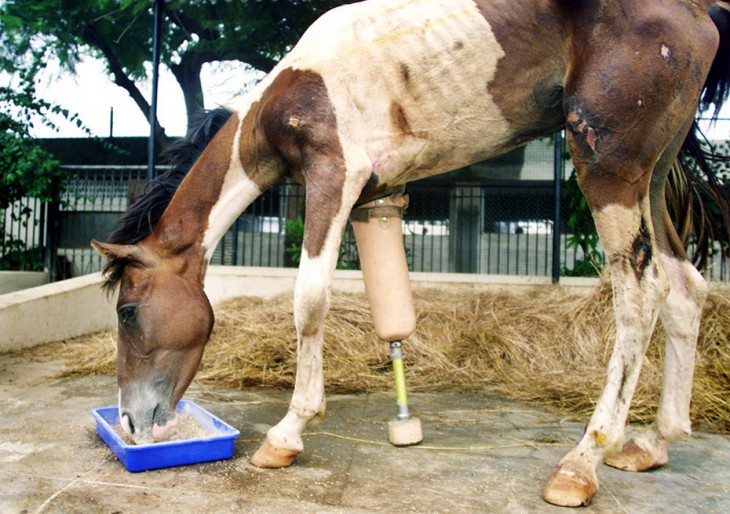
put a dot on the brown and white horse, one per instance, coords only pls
(382, 92)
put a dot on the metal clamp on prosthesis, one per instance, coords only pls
(379, 235)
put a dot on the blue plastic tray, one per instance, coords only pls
(169, 453)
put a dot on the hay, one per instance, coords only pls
(543, 346)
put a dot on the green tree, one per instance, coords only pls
(26, 169)
(195, 32)
(582, 234)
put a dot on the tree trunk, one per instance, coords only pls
(187, 74)
(92, 38)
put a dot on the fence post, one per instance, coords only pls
(51, 239)
(558, 190)
(156, 35)
(465, 227)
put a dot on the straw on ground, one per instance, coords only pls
(544, 346)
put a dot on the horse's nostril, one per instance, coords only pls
(126, 423)
(158, 413)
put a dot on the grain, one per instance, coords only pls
(187, 427)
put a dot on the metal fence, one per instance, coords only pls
(23, 229)
(460, 222)
(95, 197)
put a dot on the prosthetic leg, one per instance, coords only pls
(379, 236)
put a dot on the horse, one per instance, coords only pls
(379, 93)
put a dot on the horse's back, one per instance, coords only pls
(415, 83)
(423, 87)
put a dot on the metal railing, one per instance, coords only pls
(95, 197)
(23, 235)
(461, 223)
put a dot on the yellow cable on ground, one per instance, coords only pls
(437, 448)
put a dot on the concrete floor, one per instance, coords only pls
(479, 455)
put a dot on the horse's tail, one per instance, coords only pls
(141, 217)
(717, 84)
(697, 197)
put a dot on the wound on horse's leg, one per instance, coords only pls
(641, 254)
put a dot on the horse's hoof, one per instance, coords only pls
(269, 456)
(570, 486)
(636, 457)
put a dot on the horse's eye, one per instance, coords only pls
(127, 313)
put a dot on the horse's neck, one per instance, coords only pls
(213, 194)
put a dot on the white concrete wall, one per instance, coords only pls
(78, 306)
(11, 281)
(225, 282)
(53, 312)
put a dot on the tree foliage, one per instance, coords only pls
(195, 32)
(582, 234)
(26, 169)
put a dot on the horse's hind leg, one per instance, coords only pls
(330, 197)
(640, 287)
(614, 176)
(680, 317)
(621, 103)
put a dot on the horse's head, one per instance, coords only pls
(165, 320)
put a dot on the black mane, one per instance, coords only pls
(139, 220)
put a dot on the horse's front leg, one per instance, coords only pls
(330, 197)
(311, 302)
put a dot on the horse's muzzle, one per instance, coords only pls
(147, 428)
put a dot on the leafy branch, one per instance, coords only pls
(582, 232)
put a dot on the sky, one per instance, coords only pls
(91, 93)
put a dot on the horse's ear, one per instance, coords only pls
(134, 253)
